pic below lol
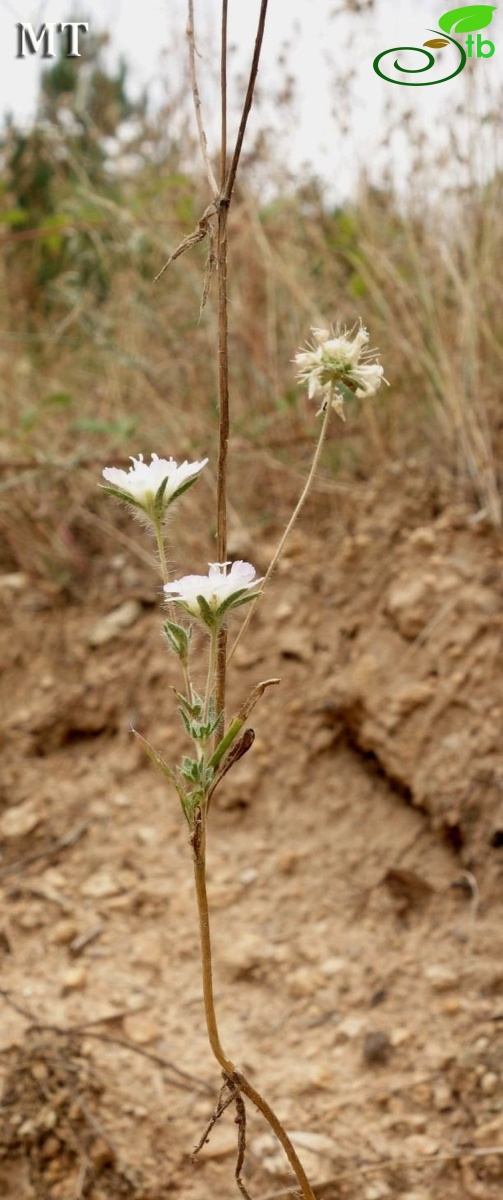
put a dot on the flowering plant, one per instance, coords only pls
(336, 358)
(209, 597)
(332, 360)
(152, 486)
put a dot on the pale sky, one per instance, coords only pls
(322, 48)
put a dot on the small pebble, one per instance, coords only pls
(376, 1048)
(442, 1097)
(74, 979)
(489, 1083)
(101, 1153)
(64, 932)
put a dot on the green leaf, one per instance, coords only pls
(467, 19)
(156, 758)
(195, 771)
(178, 639)
(193, 707)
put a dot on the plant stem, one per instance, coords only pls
(222, 205)
(161, 551)
(236, 1076)
(248, 100)
(223, 96)
(199, 848)
(210, 681)
(279, 549)
(223, 391)
(170, 608)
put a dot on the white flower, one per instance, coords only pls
(219, 590)
(339, 358)
(153, 486)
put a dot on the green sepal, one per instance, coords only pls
(209, 617)
(159, 506)
(233, 602)
(183, 488)
(124, 496)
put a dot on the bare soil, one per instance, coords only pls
(355, 872)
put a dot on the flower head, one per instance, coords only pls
(208, 597)
(339, 357)
(152, 486)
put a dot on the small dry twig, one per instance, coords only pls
(202, 230)
(241, 1124)
(222, 1104)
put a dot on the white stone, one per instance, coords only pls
(20, 820)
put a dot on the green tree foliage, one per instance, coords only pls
(56, 178)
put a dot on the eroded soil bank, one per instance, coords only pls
(355, 875)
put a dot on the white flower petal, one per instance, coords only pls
(143, 480)
(218, 586)
(338, 357)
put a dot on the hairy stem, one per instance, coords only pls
(281, 544)
(210, 681)
(161, 551)
(236, 1076)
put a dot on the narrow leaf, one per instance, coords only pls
(254, 696)
(156, 758)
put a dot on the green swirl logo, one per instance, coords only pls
(460, 20)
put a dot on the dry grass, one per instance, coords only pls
(97, 362)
